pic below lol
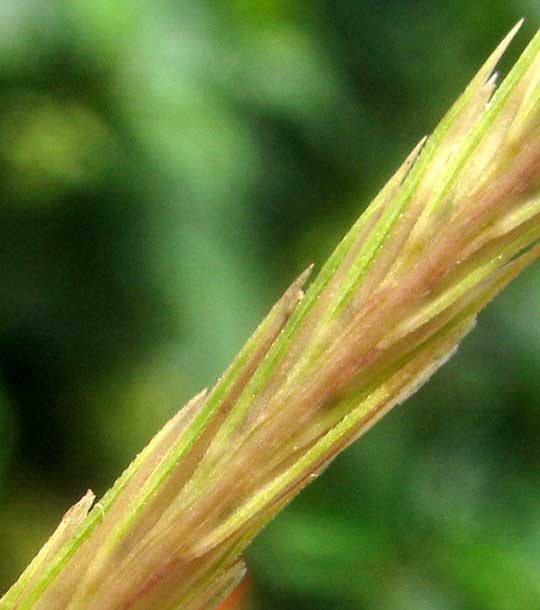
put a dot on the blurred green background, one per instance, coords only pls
(167, 167)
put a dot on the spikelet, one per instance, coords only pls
(456, 223)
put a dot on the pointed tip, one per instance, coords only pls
(191, 407)
(403, 171)
(306, 273)
(303, 277)
(89, 493)
(511, 34)
(200, 395)
(80, 509)
(412, 156)
(485, 74)
(88, 499)
(516, 27)
(294, 294)
(196, 400)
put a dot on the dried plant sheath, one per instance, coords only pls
(455, 224)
